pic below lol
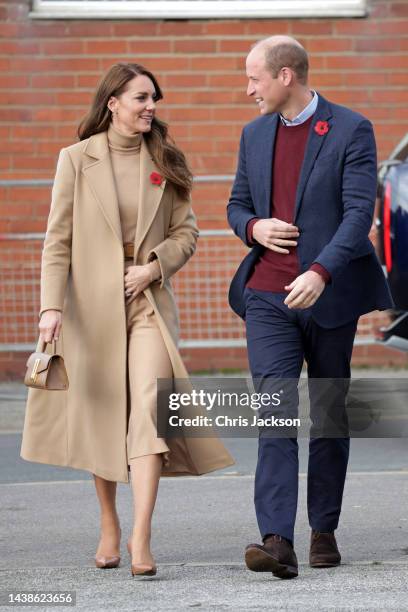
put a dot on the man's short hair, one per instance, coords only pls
(290, 55)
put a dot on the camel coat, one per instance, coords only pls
(82, 274)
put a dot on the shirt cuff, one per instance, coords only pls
(316, 267)
(249, 227)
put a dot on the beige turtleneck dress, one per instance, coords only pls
(148, 358)
(125, 158)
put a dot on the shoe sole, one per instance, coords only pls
(110, 565)
(260, 561)
(322, 565)
(152, 572)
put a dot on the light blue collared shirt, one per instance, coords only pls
(305, 114)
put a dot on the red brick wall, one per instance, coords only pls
(49, 70)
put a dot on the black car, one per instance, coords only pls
(392, 240)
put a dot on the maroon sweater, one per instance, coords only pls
(274, 270)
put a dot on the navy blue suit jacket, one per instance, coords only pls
(334, 209)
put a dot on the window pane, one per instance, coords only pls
(184, 9)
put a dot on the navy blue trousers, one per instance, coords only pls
(279, 340)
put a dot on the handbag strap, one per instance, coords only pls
(41, 346)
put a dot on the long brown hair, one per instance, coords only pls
(169, 159)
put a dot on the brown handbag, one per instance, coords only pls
(46, 371)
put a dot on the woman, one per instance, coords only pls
(120, 226)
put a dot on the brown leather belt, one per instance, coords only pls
(128, 249)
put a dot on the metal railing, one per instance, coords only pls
(201, 287)
(204, 178)
(201, 290)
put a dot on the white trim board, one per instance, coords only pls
(196, 9)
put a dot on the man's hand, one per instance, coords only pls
(304, 290)
(275, 234)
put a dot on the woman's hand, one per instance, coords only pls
(50, 325)
(137, 278)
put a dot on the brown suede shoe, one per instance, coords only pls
(323, 550)
(276, 555)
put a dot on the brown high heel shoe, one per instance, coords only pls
(141, 569)
(107, 562)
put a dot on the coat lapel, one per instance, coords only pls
(149, 196)
(99, 174)
(266, 149)
(313, 146)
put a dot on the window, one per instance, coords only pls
(195, 9)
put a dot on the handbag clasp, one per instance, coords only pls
(34, 374)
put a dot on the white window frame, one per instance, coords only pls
(196, 9)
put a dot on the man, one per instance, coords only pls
(303, 199)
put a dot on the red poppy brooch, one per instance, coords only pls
(321, 128)
(156, 178)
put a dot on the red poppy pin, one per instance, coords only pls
(321, 128)
(156, 178)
